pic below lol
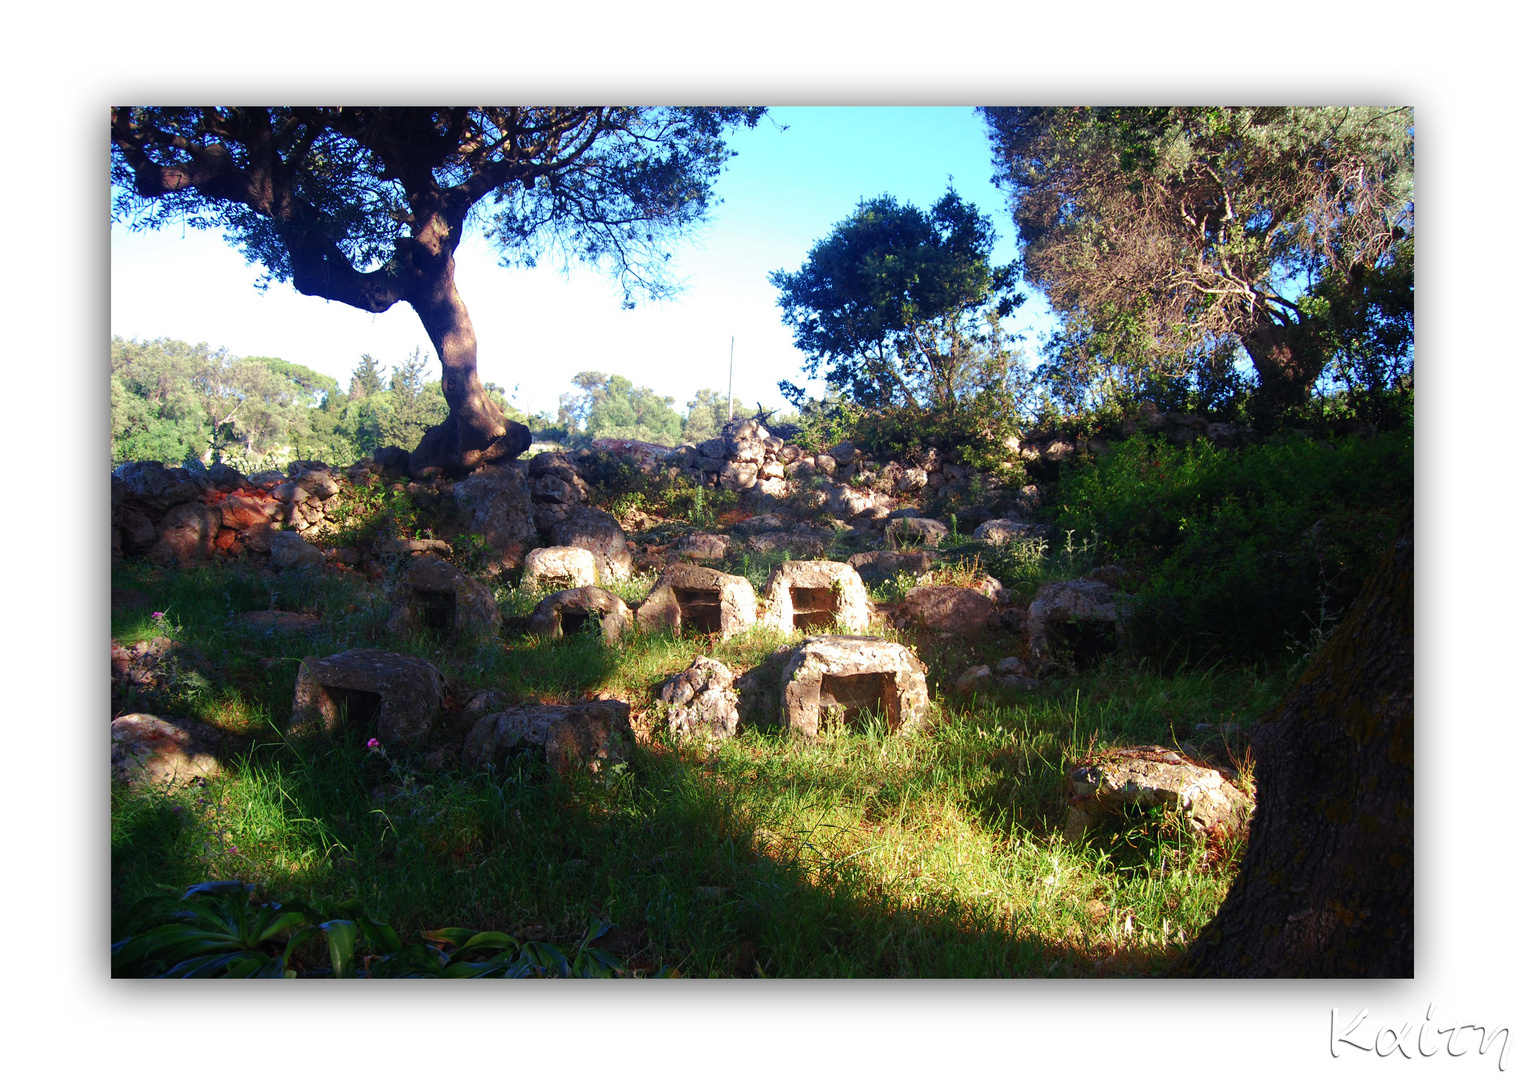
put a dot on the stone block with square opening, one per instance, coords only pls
(811, 596)
(695, 599)
(558, 568)
(1077, 621)
(852, 676)
(435, 595)
(393, 694)
(580, 611)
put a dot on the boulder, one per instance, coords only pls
(702, 704)
(575, 610)
(852, 674)
(879, 567)
(436, 595)
(157, 488)
(690, 598)
(558, 568)
(945, 609)
(186, 534)
(745, 441)
(400, 695)
(1147, 776)
(161, 751)
(286, 551)
(702, 546)
(495, 503)
(915, 531)
(590, 734)
(597, 532)
(797, 543)
(1001, 531)
(813, 595)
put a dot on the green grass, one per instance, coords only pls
(864, 854)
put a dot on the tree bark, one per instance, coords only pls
(1326, 886)
(476, 432)
(1288, 359)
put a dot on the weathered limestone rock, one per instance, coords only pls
(945, 609)
(702, 546)
(797, 543)
(575, 610)
(1002, 531)
(286, 550)
(696, 599)
(163, 750)
(187, 534)
(436, 595)
(400, 694)
(495, 503)
(157, 488)
(1148, 776)
(919, 531)
(745, 441)
(973, 679)
(702, 702)
(598, 533)
(590, 734)
(878, 567)
(814, 595)
(851, 674)
(559, 568)
(1081, 615)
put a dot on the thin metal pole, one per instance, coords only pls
(730, 342)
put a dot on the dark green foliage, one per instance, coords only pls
(706, 415)
(898, 306)
(1240, 553)
(610, 407)
(1167, 235)
(220, 932)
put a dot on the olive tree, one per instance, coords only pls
(1169, 233)
(367, 205)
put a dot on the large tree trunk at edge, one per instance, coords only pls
(1326, 886)
(476, 432)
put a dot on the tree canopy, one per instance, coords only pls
(1168, 234)
(897, 305)
(610, 407)
(367, 205)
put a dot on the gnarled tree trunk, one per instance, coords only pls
(1288, 359)
(1326, 887)
(476, 432)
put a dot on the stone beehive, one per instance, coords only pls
(573, 611)
(696, 599)
(813, 595)
(852, 674)
(433, 594)
(397, 694)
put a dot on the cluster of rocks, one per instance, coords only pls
(166, 515)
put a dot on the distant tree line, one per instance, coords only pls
(180, 403)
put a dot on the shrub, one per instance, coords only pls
(1241, 552)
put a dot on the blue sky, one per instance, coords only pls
(795, 176)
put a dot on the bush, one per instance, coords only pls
(1241, 553)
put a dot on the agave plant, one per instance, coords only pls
(219, 932)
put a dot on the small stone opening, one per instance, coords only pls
(874, 691)
(813, 608)
(356, 709)
(1082, 644)
(575, 622)
(700, 610)
(434, 610)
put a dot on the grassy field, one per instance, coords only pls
(863, 854)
